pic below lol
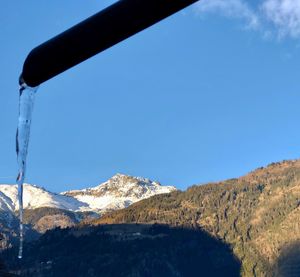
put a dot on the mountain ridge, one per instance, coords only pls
(44, 210)
(258, 214)
(125, 190)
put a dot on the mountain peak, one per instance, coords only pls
(121, 179)
(119, 175)
(119, 191)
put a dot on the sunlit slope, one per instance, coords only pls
(258, 214)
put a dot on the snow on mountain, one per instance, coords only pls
(35, 197)
(118, 192)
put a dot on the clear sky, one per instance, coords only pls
(208, 94)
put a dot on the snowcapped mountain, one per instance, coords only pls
(118, 192)
(44, 210)
(35, 197)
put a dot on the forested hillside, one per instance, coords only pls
(257, 214)
(125, 250)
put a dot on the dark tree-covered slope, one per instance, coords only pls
(124, 251)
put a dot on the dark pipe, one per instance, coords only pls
(95, 34)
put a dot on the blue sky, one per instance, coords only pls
(203, 96)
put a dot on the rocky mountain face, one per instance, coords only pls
(118, 192)
(45, 210)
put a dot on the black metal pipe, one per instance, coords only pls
(95, 34)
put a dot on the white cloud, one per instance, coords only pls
(229, 8)
(279, 16)
(284, 15)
